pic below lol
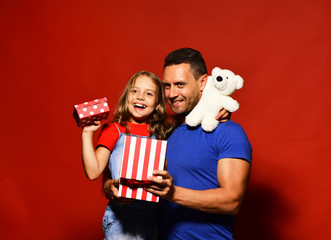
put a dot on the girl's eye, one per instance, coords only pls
(150, 94)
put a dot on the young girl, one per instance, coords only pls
(141, 112)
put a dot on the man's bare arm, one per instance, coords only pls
(232, 176)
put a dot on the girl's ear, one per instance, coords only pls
(157, 107)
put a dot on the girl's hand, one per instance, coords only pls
(110, 188)
(92, 128)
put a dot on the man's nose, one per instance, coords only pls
(172, 92)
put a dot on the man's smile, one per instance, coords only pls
(177, 102)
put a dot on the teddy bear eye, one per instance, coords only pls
(227, 78)
(219, 79)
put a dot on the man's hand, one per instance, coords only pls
(223, 115)
(162, 187)
(110, 187)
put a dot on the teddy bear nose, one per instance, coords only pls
(219, 79)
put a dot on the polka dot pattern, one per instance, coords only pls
(88, 112)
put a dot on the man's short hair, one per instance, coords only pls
(187, 55)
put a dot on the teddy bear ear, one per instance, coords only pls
(240, 82)
(215, 70)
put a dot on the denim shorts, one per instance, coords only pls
(136, 221)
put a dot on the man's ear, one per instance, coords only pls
(204, 79)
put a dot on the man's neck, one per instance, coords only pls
(180, 119)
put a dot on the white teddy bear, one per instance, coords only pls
(215, 96)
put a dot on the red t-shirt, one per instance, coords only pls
(109, 133)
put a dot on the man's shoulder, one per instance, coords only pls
(229, 126)
(230, 130)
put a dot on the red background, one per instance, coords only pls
(55, 54)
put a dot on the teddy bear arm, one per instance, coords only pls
(209, 122)
(230, 104)
(194, 118)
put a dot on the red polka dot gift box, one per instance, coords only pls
(87, 112)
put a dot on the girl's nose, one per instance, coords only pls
(140, 96)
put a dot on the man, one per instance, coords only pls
(207, 173)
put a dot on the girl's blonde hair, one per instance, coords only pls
(159, 124)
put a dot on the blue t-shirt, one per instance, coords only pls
(192, 158)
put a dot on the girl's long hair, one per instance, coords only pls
(159, 123)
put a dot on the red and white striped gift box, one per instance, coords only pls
(141, 156)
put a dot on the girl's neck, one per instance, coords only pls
(135, 121)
